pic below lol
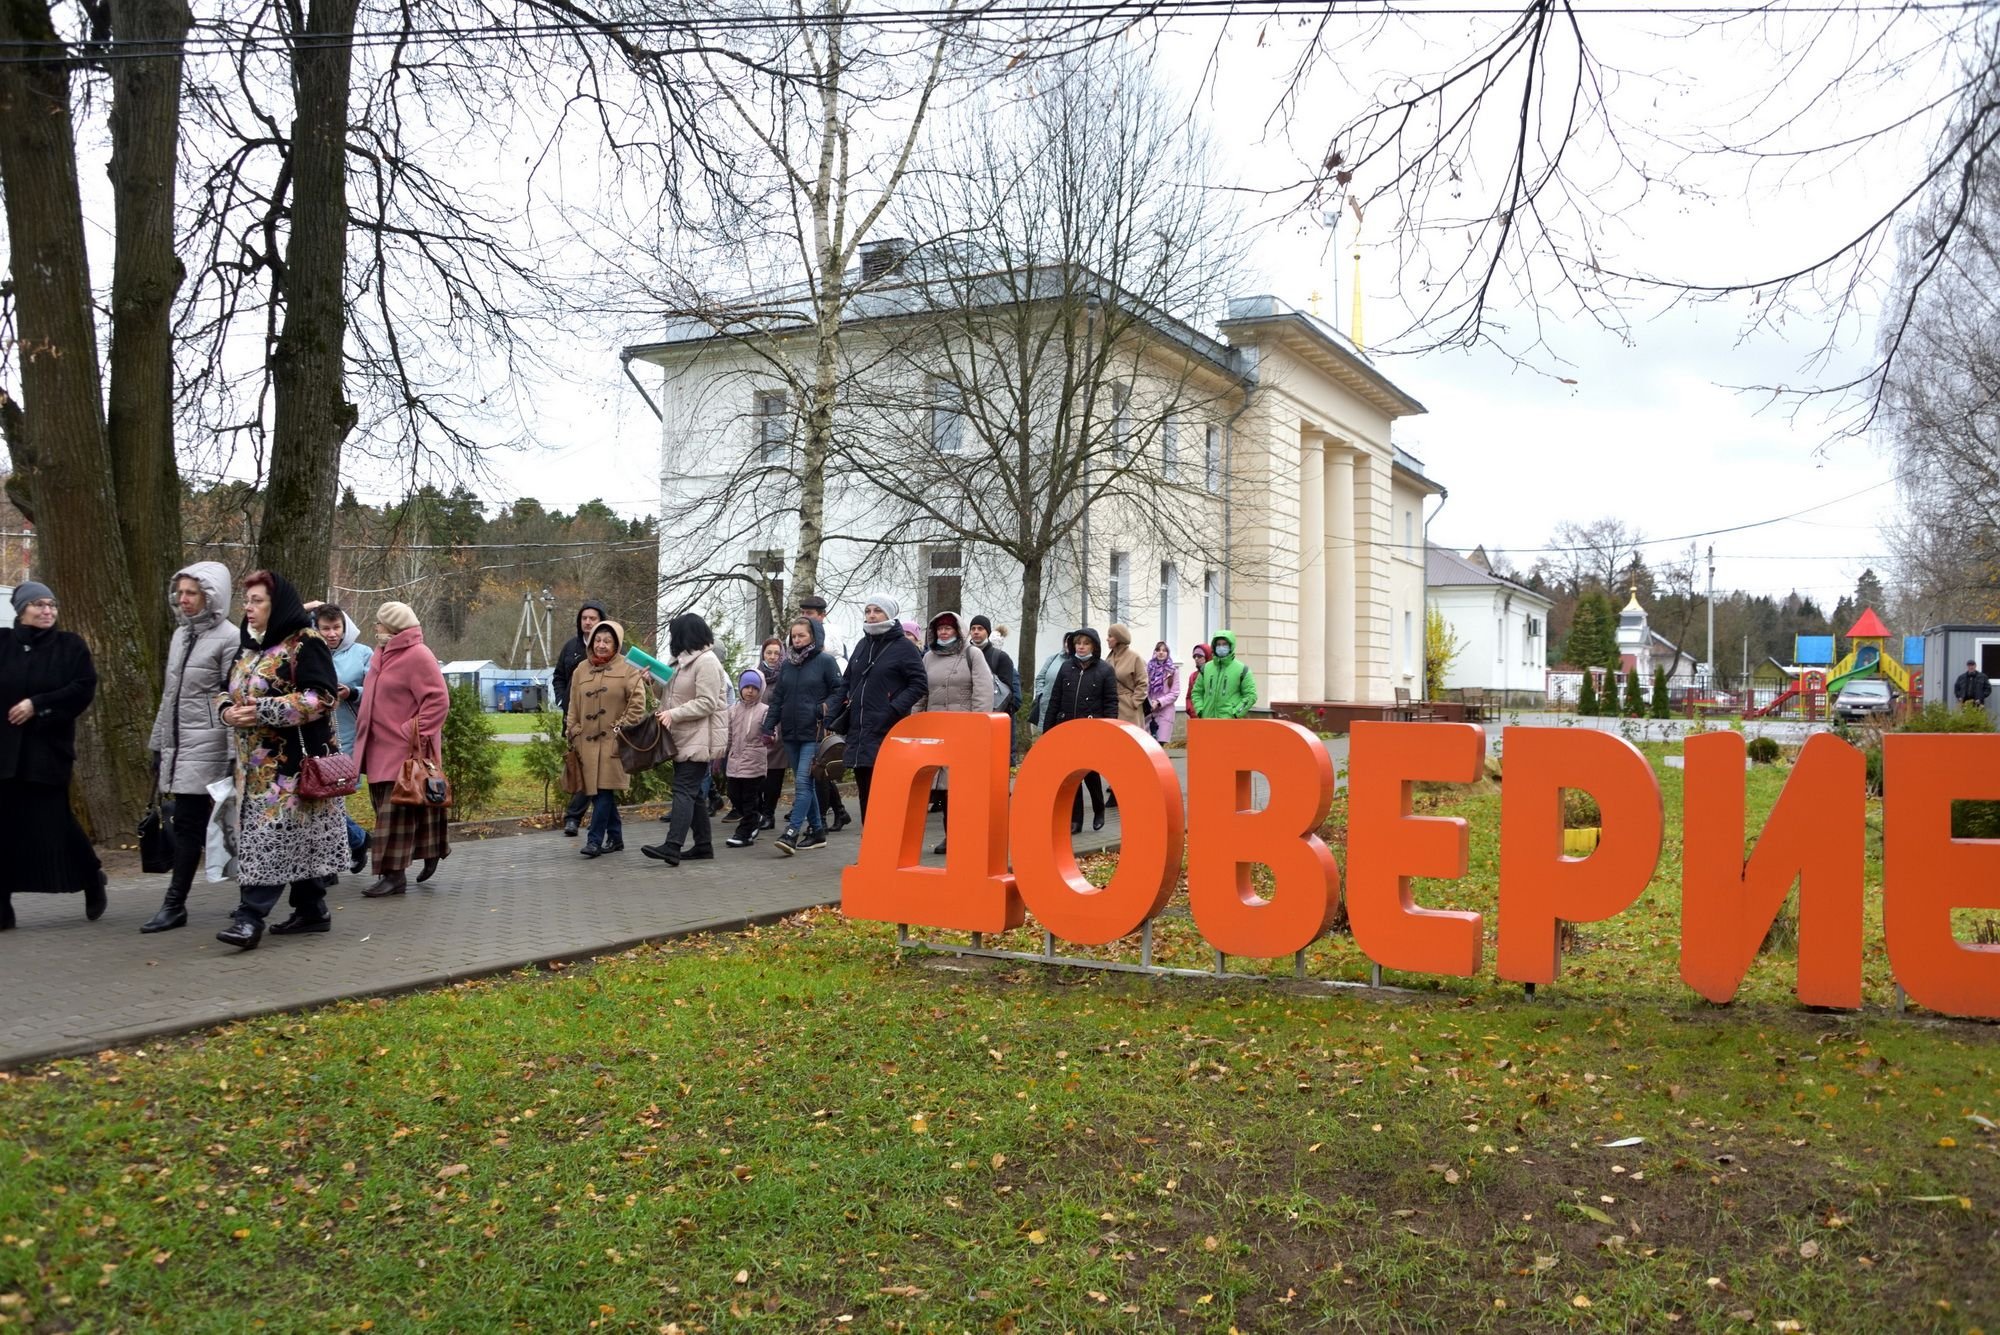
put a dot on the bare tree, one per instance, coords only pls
(1581, 555)
(1942, 406)
(67, 474)
(1507, 172)
(1046, 373)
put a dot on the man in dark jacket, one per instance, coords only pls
(1085, 687)
(796, 715)
(567, 662)
(885, 680)
(1006, 680)
(1972, 687)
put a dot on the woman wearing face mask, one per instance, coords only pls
(282, 694)
(884, 681)
(405, 685)
(957, 681)
(1085, 687)
(46, 680)
(1163, 692)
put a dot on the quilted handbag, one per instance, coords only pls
(644, 745)
(331, 775)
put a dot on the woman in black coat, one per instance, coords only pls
(1085, 687)
(885, 680)
(46, 680)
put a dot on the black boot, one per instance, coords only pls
(173, 911)
(430, 870)
(389, 883)
(94, 900)
(6, 910)
(243, 932)
(359, 860)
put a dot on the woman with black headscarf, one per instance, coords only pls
(282, 694)
(694, 708)
(46, 680)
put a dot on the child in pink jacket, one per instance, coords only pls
(749, 757)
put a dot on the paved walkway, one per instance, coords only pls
(68, 986)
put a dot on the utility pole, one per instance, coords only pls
(1711, 607)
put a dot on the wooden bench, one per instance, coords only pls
(1413, 711)
(1474, 700)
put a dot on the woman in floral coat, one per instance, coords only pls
(282, 693)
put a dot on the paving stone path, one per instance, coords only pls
(69, 986)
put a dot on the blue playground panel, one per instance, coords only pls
(1913, 651)
(1813, 650)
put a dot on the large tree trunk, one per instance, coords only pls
(145, 273)
(313, 415)
(80, 553)
(1031, 617)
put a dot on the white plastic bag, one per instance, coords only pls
(222, 831)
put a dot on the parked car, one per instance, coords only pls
(1864, 700)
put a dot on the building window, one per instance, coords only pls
(773, 425)
(947, 420)
(1410, 534)
(1170, 603)
(1409, 637)
(1211, 604)
(1121, 423)
(944, 586)
(1500, 632)
(1121, 586)
(1170, 450)
(1212, 459)
(770, 583)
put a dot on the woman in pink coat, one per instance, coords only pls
(404, 684)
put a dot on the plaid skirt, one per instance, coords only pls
(406, 834)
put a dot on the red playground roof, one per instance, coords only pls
(1868, 627)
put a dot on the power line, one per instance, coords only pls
(1083, 13)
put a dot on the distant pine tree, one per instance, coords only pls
(1586, 698)
(1635, 696)
(1660, 702)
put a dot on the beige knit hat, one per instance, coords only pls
(395, 616)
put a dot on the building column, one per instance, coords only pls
(1338, 511)
(1312, 565)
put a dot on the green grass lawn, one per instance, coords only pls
(802, 1129)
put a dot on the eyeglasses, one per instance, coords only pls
(43, 605)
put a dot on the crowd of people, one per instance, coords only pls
(262, 727)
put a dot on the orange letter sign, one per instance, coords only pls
(1225, 836)
(1815, 836)
(1926, 873)
(1386, 845)
(1538, 885)
(1149, 818)
(973, 892)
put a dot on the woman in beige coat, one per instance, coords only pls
(605, 693)
(694, 710)
(960, 682)
(1130, 669)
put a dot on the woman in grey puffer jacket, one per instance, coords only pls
(960, 683)
(191, 746)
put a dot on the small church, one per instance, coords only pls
(1641, 649)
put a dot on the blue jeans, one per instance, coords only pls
(607, 827)
(805, 793)
(356, 836)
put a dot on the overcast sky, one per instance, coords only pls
(1650, 430)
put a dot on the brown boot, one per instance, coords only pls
(390, 883)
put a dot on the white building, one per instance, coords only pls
(1285, 449)
(1501, 627)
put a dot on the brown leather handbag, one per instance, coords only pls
(422, 782)
(644, 745)
(572, 778)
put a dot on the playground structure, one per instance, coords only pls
(1820, 679)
